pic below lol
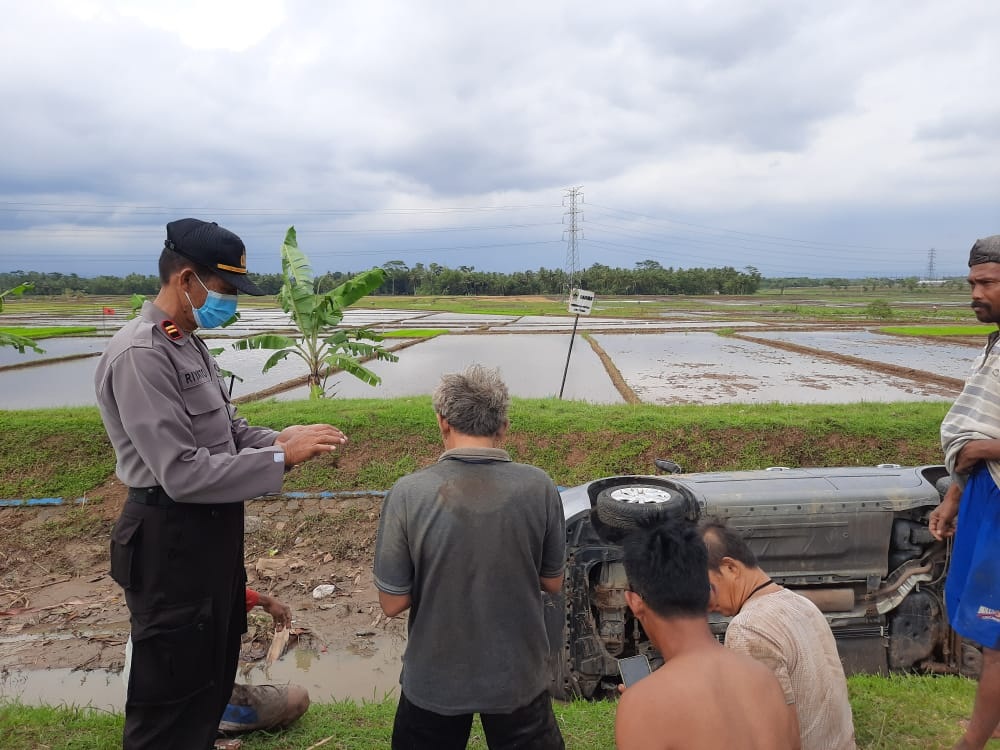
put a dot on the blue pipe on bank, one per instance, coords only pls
(36, 501)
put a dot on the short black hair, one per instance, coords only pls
(667, 566)
(171, 262)
(724, 541)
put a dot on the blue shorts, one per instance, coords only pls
(972, 591)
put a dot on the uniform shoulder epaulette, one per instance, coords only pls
(172, 330)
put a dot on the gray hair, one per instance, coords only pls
(474, 402)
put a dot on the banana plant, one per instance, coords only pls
(12, 339)
(321, 343)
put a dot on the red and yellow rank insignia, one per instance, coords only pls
(170, 328)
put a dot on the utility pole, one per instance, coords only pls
(574, 196)
(930, 264)
(572, 199)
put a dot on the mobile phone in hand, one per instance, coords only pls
(633, 669)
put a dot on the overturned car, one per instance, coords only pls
(854, 540)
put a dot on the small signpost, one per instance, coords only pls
(580, 302)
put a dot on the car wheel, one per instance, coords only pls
(631, 505)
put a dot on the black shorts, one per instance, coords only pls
(531, 727)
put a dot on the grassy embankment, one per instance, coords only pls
(799, 304)
(46, 333)
(65, 453)
(897, 713)
(969, 330)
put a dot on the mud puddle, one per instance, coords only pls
(367, 670)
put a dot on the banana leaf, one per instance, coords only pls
(278, 357)
(265, 341)
(349, 365)
(19, 342)
(17, 291)
(357, 287)
(296, 297)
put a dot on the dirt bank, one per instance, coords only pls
(60, 608)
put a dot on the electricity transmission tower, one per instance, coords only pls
(930, 264)
(572, 198)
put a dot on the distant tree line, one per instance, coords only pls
(867, 284)
(648, 277)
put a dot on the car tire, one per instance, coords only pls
(634, 505)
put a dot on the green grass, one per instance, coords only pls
(47, 332)
(970, 330)
(796, 304)
(896, 713)
(65, 452)
(414, 333)
(53, 452)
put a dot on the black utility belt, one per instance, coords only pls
(149, 496)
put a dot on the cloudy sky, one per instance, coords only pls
(826, 139)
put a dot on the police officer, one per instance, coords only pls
(189, 462)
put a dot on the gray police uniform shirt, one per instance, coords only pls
(468, 538)
(170, 420)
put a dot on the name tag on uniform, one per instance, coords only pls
(191, 378)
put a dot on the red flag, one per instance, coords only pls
(109, 311)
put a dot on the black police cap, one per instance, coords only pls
(214, 247)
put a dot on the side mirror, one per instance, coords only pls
(667, 467)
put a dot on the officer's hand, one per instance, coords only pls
(302, 442)
(941, 523)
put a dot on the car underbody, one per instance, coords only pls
(854, 540)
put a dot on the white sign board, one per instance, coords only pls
(580, 301)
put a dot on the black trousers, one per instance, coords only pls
(181, 567)
(531, 727)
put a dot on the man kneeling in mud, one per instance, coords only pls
(253, 707)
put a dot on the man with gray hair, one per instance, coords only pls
(467, 545)
(970, 509)
(784, 631)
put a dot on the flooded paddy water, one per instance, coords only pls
(662, 361)
(704, 368)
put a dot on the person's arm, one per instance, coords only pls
(745, 638)
(975, 451)
(551, 584)
(941, 523)
(393, 569)
(279, 611)
(393, 604)
(181, 436)
(554, 544)
(793, 727)
(304, 441)
(635, 725)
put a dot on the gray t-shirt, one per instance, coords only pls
(468, 538)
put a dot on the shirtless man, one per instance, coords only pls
(704, 695)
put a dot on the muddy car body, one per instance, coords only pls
(854, 540)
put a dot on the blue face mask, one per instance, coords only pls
(218, 308)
